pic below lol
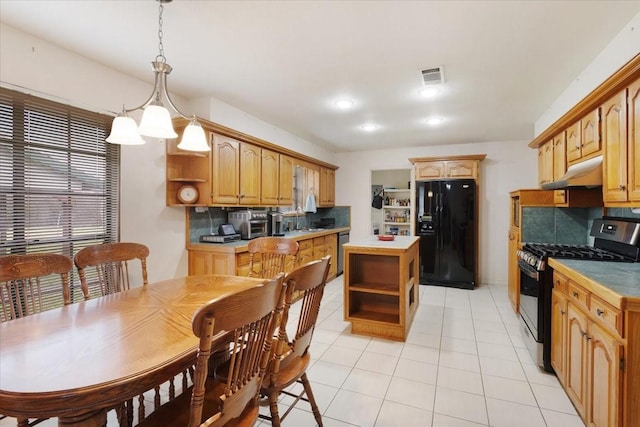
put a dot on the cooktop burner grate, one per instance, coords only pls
(550, 250)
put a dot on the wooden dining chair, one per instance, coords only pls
(231, 399)
(106, 267)
(268, 255)
(290, 358)
(111, 266)
(21, 283)
(21, 289)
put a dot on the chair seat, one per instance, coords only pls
(176, 412)
(288, 374)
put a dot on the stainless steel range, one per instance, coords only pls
(616, 240)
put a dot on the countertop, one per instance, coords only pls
(400, 242)
(621, 280)
(240, 246)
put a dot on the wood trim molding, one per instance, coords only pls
(446, 158)
(232, 133)
(618, 81)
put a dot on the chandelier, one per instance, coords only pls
(156, 119)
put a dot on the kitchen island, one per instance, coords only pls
(381, 286)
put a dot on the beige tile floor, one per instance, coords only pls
(463, 364)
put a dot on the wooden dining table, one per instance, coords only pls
(78, 361)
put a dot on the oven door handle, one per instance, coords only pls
(528, 270)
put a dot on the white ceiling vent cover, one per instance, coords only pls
(433, 76)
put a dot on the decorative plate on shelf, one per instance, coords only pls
(187, 194)
(386, 237)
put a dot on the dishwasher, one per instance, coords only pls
(343, 237)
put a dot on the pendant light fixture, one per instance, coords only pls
(156, 119)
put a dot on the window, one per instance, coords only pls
(58, 181)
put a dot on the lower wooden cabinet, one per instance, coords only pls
(559, 335)
(514, 271)
(588, 356)
(224, 260)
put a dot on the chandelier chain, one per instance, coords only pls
(160, 57)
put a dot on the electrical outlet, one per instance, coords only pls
(201, 209)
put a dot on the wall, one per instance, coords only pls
(46, 70)
(617, 53)
(509, 166)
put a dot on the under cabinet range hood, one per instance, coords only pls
(583, 174)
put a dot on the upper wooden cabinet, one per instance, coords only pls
(277, 179)
(187, 167)
(614, 131)
(583, 138)
(633, 131)
(327, 187)
(559, 156)
(453, 167)
(545, 162)
(605, 123)
(240, 170)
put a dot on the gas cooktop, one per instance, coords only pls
(553, 250)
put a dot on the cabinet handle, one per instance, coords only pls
(622, 187)
(586, 337)
(575, 294)
(562, 312)
(577, 146)
(599, 312)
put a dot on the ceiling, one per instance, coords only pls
(287, 62)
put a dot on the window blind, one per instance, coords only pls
(59, 182)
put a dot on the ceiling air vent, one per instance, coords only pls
(433, 76)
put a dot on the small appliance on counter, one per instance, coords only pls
(250, 223)
(226, 233)
(274, 226)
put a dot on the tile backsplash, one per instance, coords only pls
(207, 222)
(569, 226)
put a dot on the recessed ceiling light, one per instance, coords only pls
(369, 127)
(434, 121)
(429, 91)
(344, 103)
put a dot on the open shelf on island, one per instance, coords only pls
(381, 295)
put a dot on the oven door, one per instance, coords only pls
(530, 292)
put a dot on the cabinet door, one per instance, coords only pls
(331, 243)
(541, 165)
(634, 141)
(430, 170)
(327, 187)
(573, 142)
(270, 174)
(319, 248)
(548, 162)
(461, 169)
(590, 133)
(576, 359)
(604, 374)
(559, 156)
(558, 334)
(250, 162)
(514, 271)
(204, 262)
(614, 133)
(226, 167)
(285, 178)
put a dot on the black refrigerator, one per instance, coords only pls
(446, 224)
